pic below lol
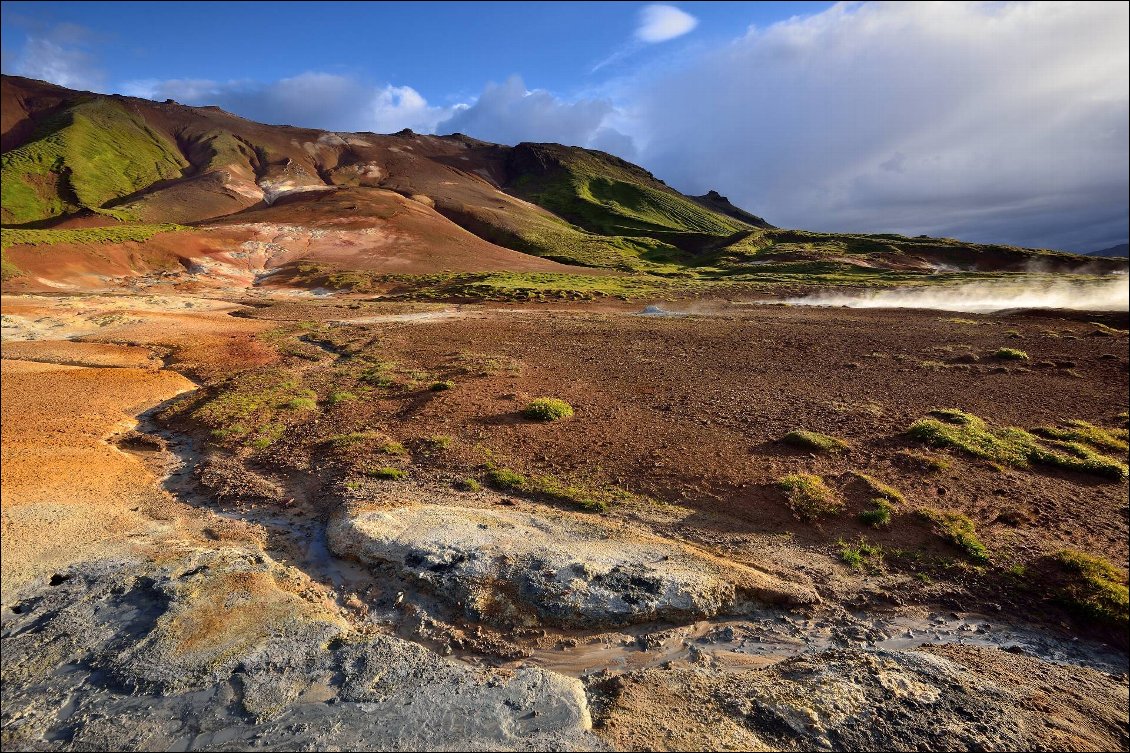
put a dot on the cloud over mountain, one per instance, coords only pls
(1002, 122)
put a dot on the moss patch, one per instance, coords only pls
(958, 530)
(861, 554)
(1093, 587)
(547, 409)
(811, 440)
(556, 490)
(1010, 445)
(884, 500)
(809, 497)
(1112, 440)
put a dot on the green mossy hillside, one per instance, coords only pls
(606, 195)
(84, 157)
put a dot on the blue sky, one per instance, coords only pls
(995, 122)
(444, 50)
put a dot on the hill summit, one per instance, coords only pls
(161, 186)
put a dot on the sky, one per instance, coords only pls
(995, 122)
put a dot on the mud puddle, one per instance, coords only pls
(729, 645)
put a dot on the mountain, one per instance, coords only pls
(1121, 250)
(164, 190)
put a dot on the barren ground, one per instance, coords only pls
(192, 585)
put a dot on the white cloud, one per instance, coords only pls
(658, 23)
(313, 100)
(508, 113)
(59, 54)
(1002, 122)
(397, 107)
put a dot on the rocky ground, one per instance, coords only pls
(168, 588)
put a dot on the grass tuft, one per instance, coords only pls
(956, 529)
(1096, 588)
(811, 440)
(388, 473)
(884, 500)
(1011, 354)
(860, 554)
(547, 409)
(808, 496)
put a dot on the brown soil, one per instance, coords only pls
(690, 410)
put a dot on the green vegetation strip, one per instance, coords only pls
(548, 487)
(91, 235)
(1012, 446)
(1097, 588)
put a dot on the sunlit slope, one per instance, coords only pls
(84, 157)
(269, 195)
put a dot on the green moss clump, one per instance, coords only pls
(548, 487)
(878, 515)
(1011, 354)
(811, 440)
(809, 497)
(1009, 445)
(860, 554)
(505, 479)
(392, 447)
(879, 490)
(547, 409)
(884, 500)
(341, 396)
(1112, 440)
(388, 473)
(1096, 588)
(442, 386)
(302, 403)
(468, 485)
(958, 530)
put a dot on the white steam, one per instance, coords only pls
(1111, 294)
